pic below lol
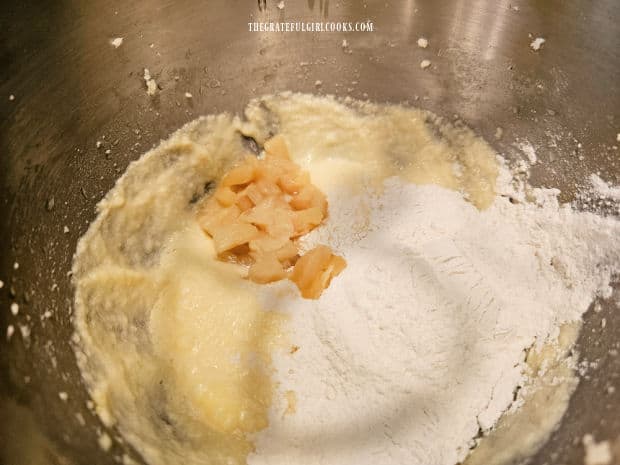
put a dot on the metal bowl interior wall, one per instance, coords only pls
(72, 88)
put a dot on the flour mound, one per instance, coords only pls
(420, 343)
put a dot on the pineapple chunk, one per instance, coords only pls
(229, 236)
(287, 254)
(309, 266)
(267, 187)
(265, 243)
(314, 271)
(225, 196)
(284, 249)
(213, 215)
(338, 264)
(309, 196)
(240, 175)
(267, 213)
(306, 220)
(266, 269)
(271, 169)
(292, 183)
(253, 193)
(277, 147)
(260, 215)
(282, 226)
(244, 203)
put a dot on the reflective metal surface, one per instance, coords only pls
(72, 88)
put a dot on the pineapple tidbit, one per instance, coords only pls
(260, 209)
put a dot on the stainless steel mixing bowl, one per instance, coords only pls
(72, 88)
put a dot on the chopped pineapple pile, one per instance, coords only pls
(257, 213)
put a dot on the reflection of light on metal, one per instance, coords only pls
(475, 24)
(457, 20)
(323, 7)
(496, 30)
(471, 30)
(409, 11)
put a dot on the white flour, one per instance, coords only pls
(603, 189)
(420, 342)
(596, 453)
